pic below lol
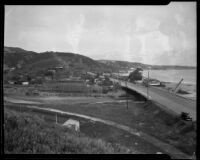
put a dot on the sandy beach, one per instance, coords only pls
(189, 89)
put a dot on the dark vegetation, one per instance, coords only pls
(180, 91)
(32, 62)
(121, 141)
(135, 75)
(145, 117)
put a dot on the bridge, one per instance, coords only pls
(166, 100)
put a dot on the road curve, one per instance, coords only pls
(167, 100)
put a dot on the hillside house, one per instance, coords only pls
(11, 82)
(91, 74)
(25, 83)
(58, 67)
(106, 74)
(12, 69)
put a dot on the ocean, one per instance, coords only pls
(189, 76)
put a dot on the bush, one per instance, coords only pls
(135, 75)
(25, 133)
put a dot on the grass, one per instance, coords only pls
(28, 133)
(114, 136)
(147, 118)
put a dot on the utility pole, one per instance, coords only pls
(126, 96)
(148, 85)
(118, 76)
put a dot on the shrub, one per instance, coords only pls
(26, 133)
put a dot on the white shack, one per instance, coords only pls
(25, 83)
(72, 124)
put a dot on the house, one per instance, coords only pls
(91, 74)
(25, 83)
(48, 78)
(72, 124)
(12, 69)
(58, 67)
(11, 82)
(102, 77)
(74, 78)
(106, 74)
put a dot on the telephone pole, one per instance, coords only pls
(148, 84)
(126, 96)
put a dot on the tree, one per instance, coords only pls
(135, 75)
(50, 73)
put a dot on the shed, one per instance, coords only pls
(25, 83)
(72, 124)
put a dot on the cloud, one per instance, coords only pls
(73, 36)
(131, 33)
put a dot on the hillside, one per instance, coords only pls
(127, 65)
(33, 62)
(26, 133)
(29, 61)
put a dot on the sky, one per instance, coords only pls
(159, 35)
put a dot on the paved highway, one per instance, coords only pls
(168, 101)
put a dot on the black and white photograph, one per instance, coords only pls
(100, 79)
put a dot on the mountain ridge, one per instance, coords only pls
(30, 61)
(33, 61)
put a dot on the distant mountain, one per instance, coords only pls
(29, 61)
(123, 65)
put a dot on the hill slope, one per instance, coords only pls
(29, 61)
(27, 133)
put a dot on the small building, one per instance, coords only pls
(91, 74)
(74, 78)
(12, 68)
(25, 83)
(102, 77)
(48, 78)
(11, 82)
(72, 124)
(95, 80)
(106, 74)
(59, 67)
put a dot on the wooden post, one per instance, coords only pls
(148, 87)
(126, 97)
(178, 86)
(56, 119)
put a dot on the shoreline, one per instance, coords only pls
(187, 90)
